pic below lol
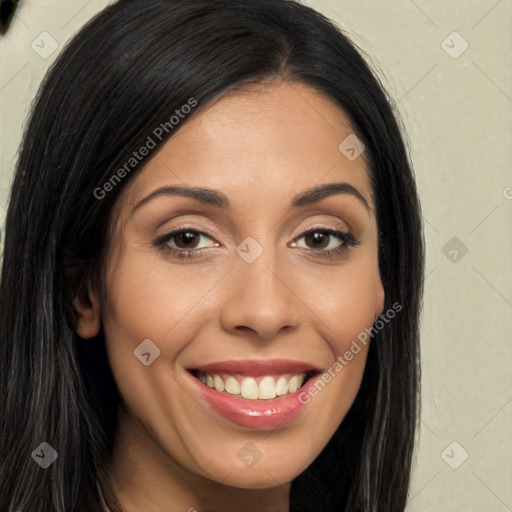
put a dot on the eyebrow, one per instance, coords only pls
(221, 200)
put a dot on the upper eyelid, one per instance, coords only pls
(341, 223)
(341, 229)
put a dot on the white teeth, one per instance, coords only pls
(281, 386)
(249, 388)
(292, 385)
(268, 388)
(232, 386)
(218, 383)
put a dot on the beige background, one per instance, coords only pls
(457, 110)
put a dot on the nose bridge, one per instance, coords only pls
(260, 299)
(261, 279)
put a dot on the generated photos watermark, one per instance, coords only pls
(137, 156)
(342, 361)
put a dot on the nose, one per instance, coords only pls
(260, 300)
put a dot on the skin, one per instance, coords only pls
(260, 147)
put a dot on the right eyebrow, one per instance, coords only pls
(205, 195)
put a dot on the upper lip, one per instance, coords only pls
(256, 367)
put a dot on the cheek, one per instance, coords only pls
(154, 301)
(358, 305)
(347, 303)
(345, 306)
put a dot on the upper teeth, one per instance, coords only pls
(267, 388)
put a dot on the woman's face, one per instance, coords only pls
(232, 269)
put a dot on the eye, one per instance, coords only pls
(189, 243)
(187, 239)
(325, 240)
(184, 242)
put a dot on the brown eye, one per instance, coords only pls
(324, 240)
(317, 239)
(186, 239)
(328, 243)
(185, 242)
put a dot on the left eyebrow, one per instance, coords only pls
(319, 192)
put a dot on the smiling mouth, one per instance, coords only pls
(256, 393)
(252, 387)
(255, 379)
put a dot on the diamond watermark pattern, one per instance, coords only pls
(147, 352)
(249, 455)
(454, 455)
(351, 147)
(454, 250)
(454, 45)
(44, 45)
(249, 250)
(44, 455)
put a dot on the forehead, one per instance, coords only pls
(267, 141)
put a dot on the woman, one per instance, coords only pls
(212, 274)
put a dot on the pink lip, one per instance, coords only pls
(255, 414)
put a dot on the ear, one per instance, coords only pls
(87, 305)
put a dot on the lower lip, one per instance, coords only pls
(255, 414)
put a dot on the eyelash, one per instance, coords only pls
(348, 240)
